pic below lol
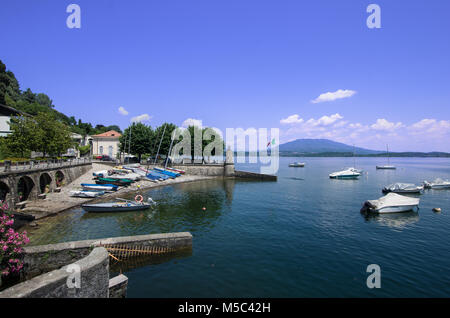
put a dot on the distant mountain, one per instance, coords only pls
(323, 146)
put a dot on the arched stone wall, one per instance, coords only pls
(26, 188)
(45, 183)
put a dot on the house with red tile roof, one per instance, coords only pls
(106, 143)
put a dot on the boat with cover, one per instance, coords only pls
(99, 187)
(437, 184)
(391, 203)
(403, 188)
(86, 194)
(161, 176)
(163, 173)
(169, 173)
(297, 164)
(120, 206)
(345, 174)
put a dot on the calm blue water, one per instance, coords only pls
(302, 236)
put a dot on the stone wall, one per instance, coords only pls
(213, 170)
(44, 258)
(32, 177)
(94, 280)
(118, 286)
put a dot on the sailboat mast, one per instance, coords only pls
(387, 149)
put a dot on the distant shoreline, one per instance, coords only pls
(384, 155)
(350, 154)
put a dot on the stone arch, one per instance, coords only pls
(24, 188)
(59, 178)
(4, 191)
(44, 182)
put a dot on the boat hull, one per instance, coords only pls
(397, 209)
(386, 167)
(114, 208)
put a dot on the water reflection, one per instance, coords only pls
(394, 220)
(126, 265)
(190, 207)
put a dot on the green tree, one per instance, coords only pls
(166, 138)
(22, 139)
(52, 136)
(141, 139)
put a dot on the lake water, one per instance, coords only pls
(302, 236)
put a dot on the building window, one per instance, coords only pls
(101, 150)
(110, 151)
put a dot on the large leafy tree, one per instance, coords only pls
(41, 133)
(197, 148)
(140, 142)
(22, 140)
(163, 136)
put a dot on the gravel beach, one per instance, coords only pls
(57, 202)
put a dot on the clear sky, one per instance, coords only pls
(243, 63)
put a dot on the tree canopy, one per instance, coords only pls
(33, 104)
(140, 142)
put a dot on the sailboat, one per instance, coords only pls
(388, 166)
(354, 169)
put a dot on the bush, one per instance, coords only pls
(11, 244)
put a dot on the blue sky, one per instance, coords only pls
(243, 63)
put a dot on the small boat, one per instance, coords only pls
(116, 206)
(345, 174)
(437, 184)
(297, 164)
(115, 181)
(176, 170)
(99, 187)
(388, 166)
(86, 194)
(101, 173)
(161, 176)
(403, 188)
(167, 172)
(164, 173)
(391, 203)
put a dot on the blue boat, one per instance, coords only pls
(159, 175)
(169, 173)
(153, 177)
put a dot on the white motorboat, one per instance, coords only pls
(297, 164)
(360, 171)
(403, 188)
(345, 174)
(391, 203)
(437, 184)
(86, 194)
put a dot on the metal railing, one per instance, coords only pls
(42, 164)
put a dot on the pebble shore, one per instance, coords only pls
(57, 202)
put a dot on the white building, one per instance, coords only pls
(6, 113)
(106, 144)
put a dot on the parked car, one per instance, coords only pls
(106, 158)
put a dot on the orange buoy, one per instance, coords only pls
(139, 198)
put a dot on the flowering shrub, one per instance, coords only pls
(11, 244)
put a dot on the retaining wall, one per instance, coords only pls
(94, 280)
(44, 258)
